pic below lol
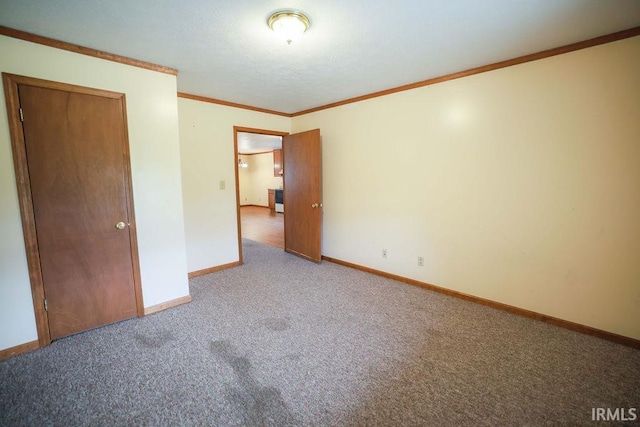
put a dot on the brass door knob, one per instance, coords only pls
(121, 225)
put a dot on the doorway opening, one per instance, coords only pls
(301, 160)
(259, 185)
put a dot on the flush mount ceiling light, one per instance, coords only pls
(288, 24)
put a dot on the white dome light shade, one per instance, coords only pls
(288, 24)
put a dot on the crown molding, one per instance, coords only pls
(46, 41)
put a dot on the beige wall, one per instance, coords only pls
(520, 185)
(244, 182)
(207, 153)
(257, 178)
(152, 117)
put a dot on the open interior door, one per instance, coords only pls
(302, 159)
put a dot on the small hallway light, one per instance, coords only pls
(288, 24)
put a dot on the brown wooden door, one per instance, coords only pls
(76, 148)
(302, 159)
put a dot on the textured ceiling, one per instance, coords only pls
(253, 143)
(223, 49)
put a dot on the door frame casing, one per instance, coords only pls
(23, 183)
(237, 129)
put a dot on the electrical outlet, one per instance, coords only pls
(421, 261)
(384, 253)
(222, 185)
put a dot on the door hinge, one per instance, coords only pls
(46, 306)
(21, 115)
